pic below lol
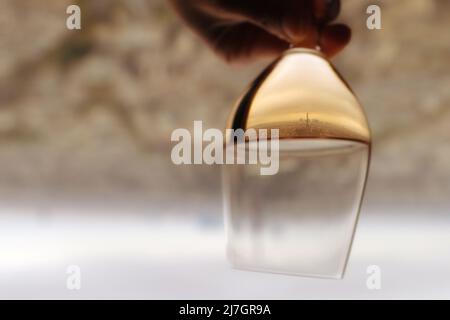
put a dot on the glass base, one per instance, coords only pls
(301, 220)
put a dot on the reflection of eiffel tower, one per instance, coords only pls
(311, 126)
(308, 125)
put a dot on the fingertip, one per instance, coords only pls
(333, 9)
(326, 10)
(334, 38)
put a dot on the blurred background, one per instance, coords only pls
(86, 177)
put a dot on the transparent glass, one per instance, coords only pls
(301, 220)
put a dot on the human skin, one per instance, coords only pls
(245, 30)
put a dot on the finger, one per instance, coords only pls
(234, 42)
(290, 20)
(326, 10)
(334, 38)
(245, 41)
(298, 21)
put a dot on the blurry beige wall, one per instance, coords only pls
(87, 115)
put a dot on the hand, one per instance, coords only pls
(242, 30)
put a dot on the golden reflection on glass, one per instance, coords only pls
(301, 220)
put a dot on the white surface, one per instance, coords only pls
(135, 256)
